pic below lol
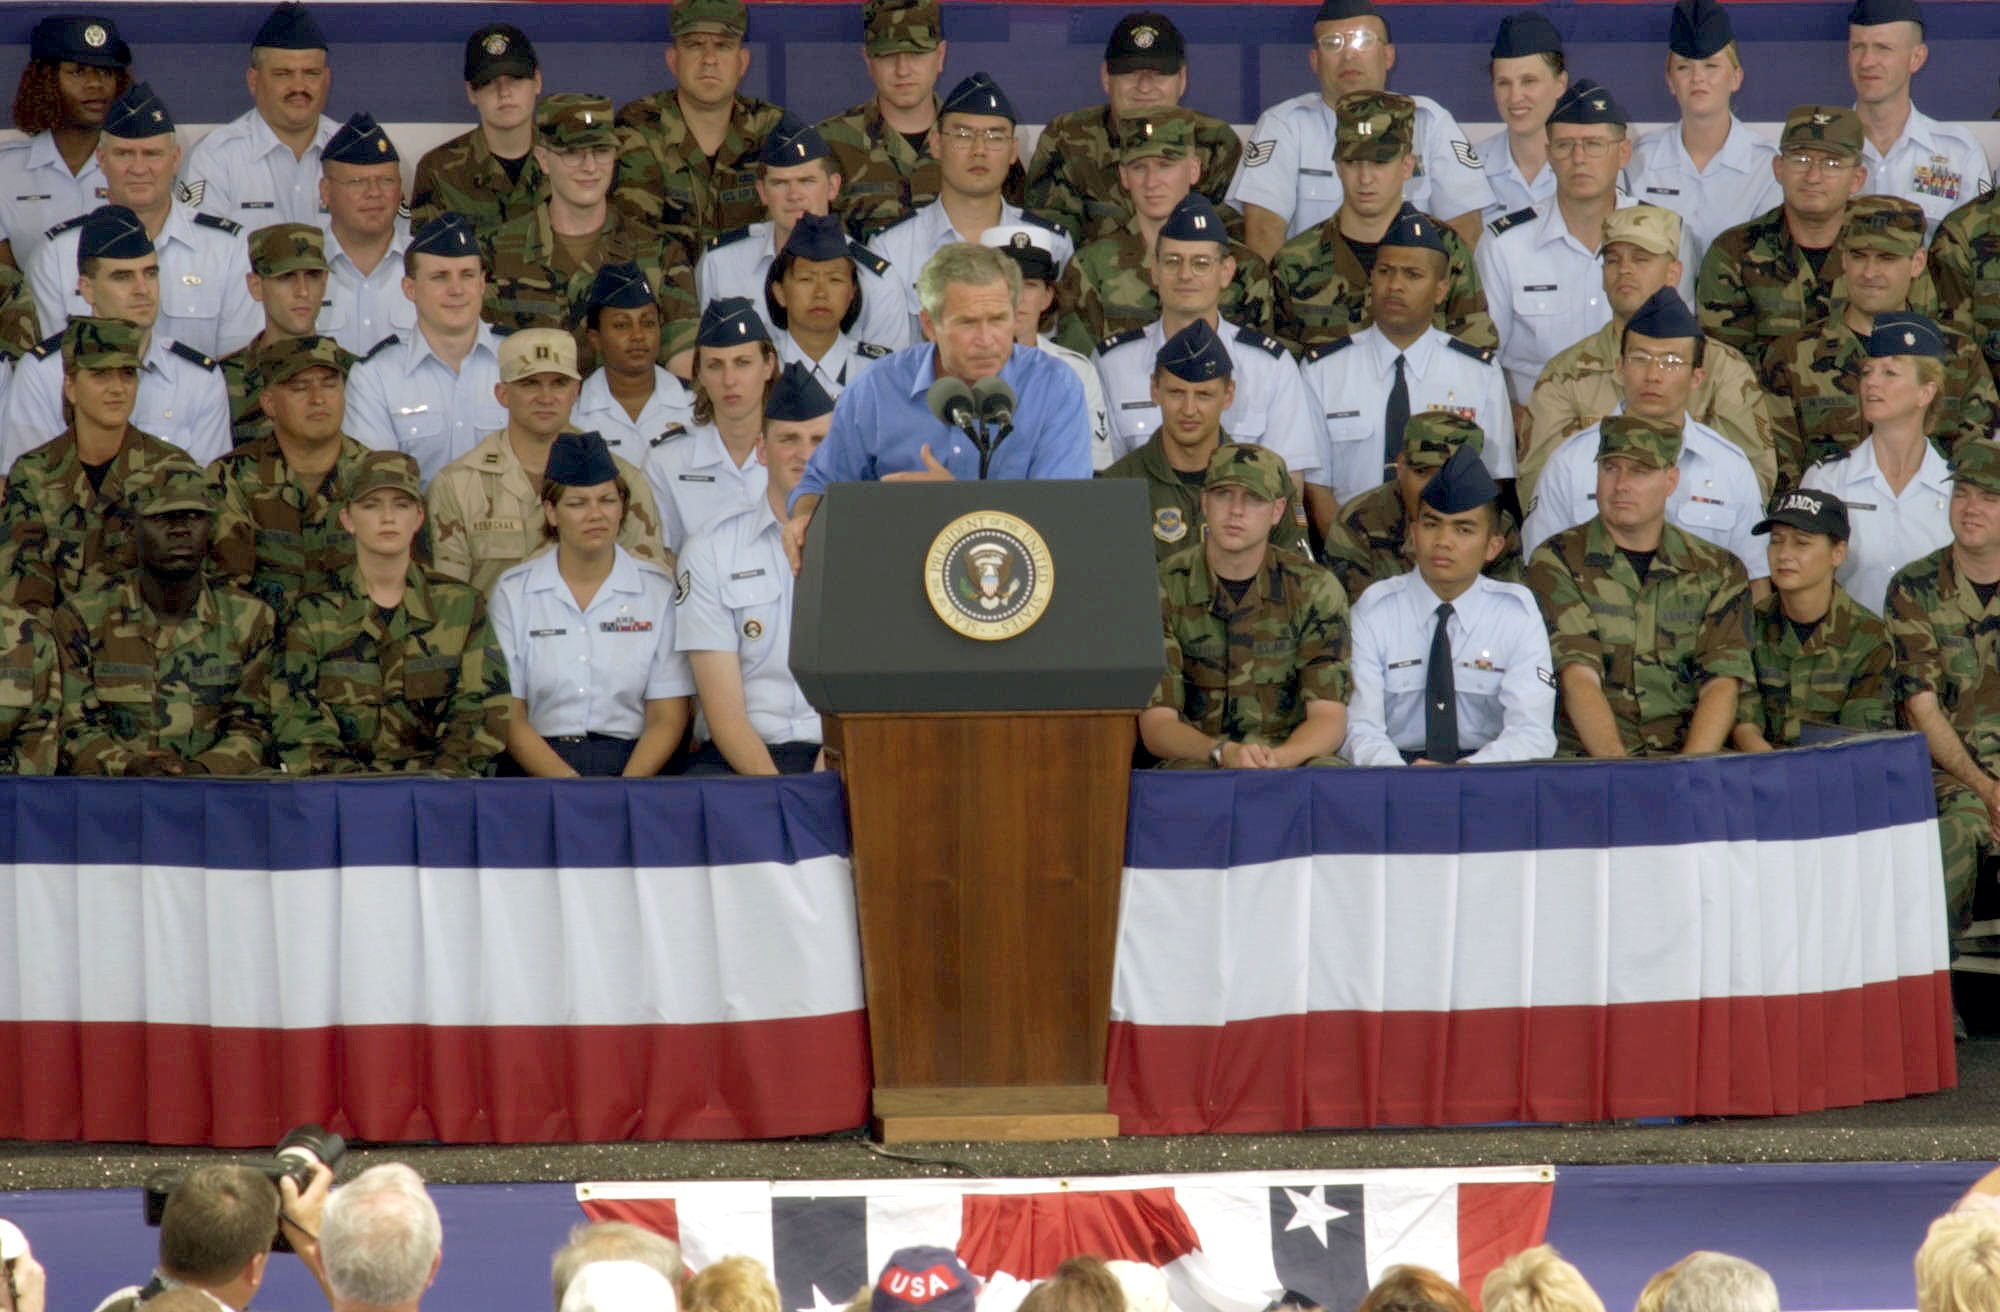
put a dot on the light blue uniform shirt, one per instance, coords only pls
(37, 191)
(204, 299)
(180, 401)
(1501, 671)
(845, 361)
(596, 410)
(909, 243)
(361, 309)
(739, 599)
(736, 264)
(1736, 187)
(1717, 499)
(406, 399)
(695, 482)
(881, 424)
(589, 671)
(243, 172)
(1939, 166)
(1511, 191)
(1887, 529)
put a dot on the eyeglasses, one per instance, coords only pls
(1588, 147)
(984, 136)
(1646, 360)
(577, 156)
(1806, 161)
(1192, 263)
(1335, 42)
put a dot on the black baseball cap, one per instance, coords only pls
(1804, 508)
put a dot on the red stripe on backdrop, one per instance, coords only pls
(1496, 1221)
(660, 1215)
(187, 1084)
(1029, 1235)
(1714, 1057)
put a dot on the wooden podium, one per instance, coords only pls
(986, 783)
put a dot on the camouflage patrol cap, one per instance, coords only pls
(570, 120)
(176, 483)
(1976, 460)
(691, 16)
(1834, 129)
(1650, 441)
(89, 343)
(896, 27)
(286, 248)
(1429, 438)
(1883, 223)
(290, 356)
(1374, 126)
(390, 469)
(1257, 469)
(1649, 227)
(1167, 133)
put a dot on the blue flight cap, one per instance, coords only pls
(1698, 29)
(79, 39)
(797, 396)
(1339, 11)
(1195, 219)
(619, 287)
(979, 94)
(1873, 13)
(1664, 314)
(1460, 484)
(1525, 32)
(138, 114)
(792, 141)
(730, 321)
(1413, 228)
(580, 460)
(449, 233)
(1585, 102)
(290, 26)
(360, 140)
(817, 237)
(1901, 332)
(112, 232)
(1195, 354)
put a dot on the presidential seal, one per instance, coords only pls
(989, 575)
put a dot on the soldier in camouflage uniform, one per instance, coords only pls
(288, 273)
(881, 147)
(1649, 626)
(393, 668)
(1822, 659)
(687, 162)
(168, 669)
(1780, 272)
(1076, 174)
(30, 693)
(1256, 637)
(1107, 287)
(488, 174)
(536, 278)
(64, 525)
(1371, 539)
(277, 530)
(20, 329)
(1944, 620)
(1580, 384)
(1965, 265)
(1815, 374)
(1320, 277)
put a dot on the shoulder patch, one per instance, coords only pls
(379, 347)
(1506, 221)
(74, 221)
(866, 258)
(47, 347)
(1263, 341)
(871, 350)
(1483, 354)
(186, 352)
(1325, 349)
(230, 226)
(669, 433)
(1120, 339)
(730, 238)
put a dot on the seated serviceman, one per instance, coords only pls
(1106, 288)
(700, 472)
(1709, 168)
(485, 506)
(1193, 384)
(686, 164)
(1580, 384)
(1032, 248)
(264, 164)
(203, 299)
(1419, 693)
(800, 181)
(1526, 68)
(1191, 266)
(883, 427)
(393, 667)
(1964, 255)
(540, 264)
(1715, 497)
(182, 398)
(277, 525)
(815, 301)
(1256, 637)
(1821, 660)
(1282, 187)
(65, 526)
(1368, 384)
(1816, 371)
(629, 398)
(366, 237)
(430, 395)
(734, 620)
(30, 693)
(974, 144)
(1320, 278)
(1895, 484)
(167, 668)
(77, 67)
(1941, 615)
(1078, 174)
(488, 174)
(1908, 153)
(288, 278)
(1371, 540)
(1648, 625)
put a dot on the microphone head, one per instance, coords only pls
(995, 398)
(948, 399)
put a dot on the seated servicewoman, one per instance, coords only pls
(588, 633)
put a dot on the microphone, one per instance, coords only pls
(951, 402)
(996, 402)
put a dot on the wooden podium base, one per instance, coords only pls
(1018, 1115)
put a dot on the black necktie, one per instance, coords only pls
(1441, 695)
(1395, 416)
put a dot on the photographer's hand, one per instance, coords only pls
(299, 1216)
